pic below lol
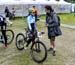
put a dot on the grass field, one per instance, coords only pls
(65, 54)
(65, 18)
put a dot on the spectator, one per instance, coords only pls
(13, 13)
(7, 15)
(36, 13)
(53, 27)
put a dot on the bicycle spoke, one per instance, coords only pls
(39, 52)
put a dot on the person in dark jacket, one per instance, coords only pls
(3, 29)
(53, 27)
(7, 15)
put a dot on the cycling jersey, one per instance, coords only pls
(2, 20)
(31, 22)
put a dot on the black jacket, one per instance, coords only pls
(2, 20)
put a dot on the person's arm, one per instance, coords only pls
(29, 25)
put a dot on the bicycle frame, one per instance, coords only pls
(36, 45)
(34, 39)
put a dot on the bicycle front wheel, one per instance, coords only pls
(10, 36)
(20, 41)
(39, 52)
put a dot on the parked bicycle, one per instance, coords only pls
(38, 48)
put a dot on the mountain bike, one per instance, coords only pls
(38, 49)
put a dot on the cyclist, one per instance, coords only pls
(3, 29)
(31, 25)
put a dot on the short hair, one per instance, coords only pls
(33, 6)
(48, 7)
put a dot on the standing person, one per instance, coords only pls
(7, 15)
(36, 13)
(3, 29)
(53, 27)
(13, 13)
(31, 26)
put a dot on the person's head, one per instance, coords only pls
(31, 11)
(34, 7)
(6, 7)
(48, 9)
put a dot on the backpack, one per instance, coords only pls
(58, 20)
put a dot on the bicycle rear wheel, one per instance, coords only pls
(20, 41)
(10, 36)
(39, 52)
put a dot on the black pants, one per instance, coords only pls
(3, 30)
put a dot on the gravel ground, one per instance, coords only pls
(65, 54)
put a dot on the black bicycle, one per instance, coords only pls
(9, 35)
(38, 48)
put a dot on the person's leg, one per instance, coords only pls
(52, 41)
(28, 42)
(3, 28)
(8, 21)
(53, 46)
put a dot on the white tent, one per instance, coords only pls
(9, 2)
(62, 7)
(63, 2)
(21, 6)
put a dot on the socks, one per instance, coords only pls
(54, 49)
